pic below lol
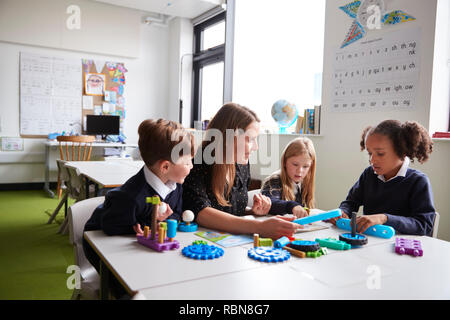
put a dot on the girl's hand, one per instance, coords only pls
(333, 220)
(261, 204)
(299, 212)
(138, 230)
(365, 222)
(277, 227)
(161, 216)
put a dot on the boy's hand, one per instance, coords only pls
(299, 212)
(138, 230)
(164, 215)
(261, 204)
(365, 222)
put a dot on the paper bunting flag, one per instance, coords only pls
(355, 33)
(351, 8)
(397, 16)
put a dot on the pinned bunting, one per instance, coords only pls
(355, 33)
(351, 8)
(397, 16)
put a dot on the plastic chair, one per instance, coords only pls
(78, 215)
(435, 225)
(73, 145)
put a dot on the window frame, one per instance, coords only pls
(202, 58)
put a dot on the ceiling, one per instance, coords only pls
(178, 8)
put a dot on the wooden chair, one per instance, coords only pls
(73, 145)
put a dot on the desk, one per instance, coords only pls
(54, 144)
(105, 174)
(338, 275)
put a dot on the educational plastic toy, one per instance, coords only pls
(202, 252)
(155, 245)
(353, 238)
(199, 242)
(305, 246)
(377, 230)
(266, 254)
(334, 244)
(408, 246)
(319, 217)
(187, 225)
(265, 242)
(280, 243)
(294, 252)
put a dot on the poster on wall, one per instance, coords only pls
(379, 73)
(50, 94)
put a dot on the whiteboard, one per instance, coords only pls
(50, 94)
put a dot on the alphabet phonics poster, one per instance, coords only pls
(381, 73)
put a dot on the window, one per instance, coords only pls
(208, 68)
(278, 54)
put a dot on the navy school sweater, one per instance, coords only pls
(126, 205)
(406, 201)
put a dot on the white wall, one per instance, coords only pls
(339, 160)
(145, 93)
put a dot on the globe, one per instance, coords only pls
(284, 113)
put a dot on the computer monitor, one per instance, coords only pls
(102, 125)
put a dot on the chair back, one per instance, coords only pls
(79, 146)
(435, 225)
(78, 214)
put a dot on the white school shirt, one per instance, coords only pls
(400, 173)
(155, 182)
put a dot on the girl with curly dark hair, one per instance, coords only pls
(390, 192)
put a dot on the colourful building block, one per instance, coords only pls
(333, 244)
(268, 254)
(153, 200)
(184, 227)
(280, 243)
(155, 245)
(314, 254)
(305, 246)
(265, 242)
(202, 252)
(199, 242)
(294, 252)
(377, 230)
(408, 246)
(319, 217)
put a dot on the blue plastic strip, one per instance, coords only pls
(319, 217)
(377, 230)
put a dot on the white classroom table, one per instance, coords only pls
(106, 174)
(49, 144)
(345, 274)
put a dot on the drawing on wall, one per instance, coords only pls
(95, 84)
(377, 74)
(370, 14)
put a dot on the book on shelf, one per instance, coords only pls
(317, 119)
(441, 135)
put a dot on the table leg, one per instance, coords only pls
(47, 172)
(104, 281)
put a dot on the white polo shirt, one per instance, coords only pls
(400, 173)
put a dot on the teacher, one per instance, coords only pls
(216, 188)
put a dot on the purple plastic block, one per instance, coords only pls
(155, 245)
(408, 246)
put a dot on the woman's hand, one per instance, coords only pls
(366, 221)
(299, 212)
(277, 227)
(261, 205)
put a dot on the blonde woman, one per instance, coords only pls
(291, 188)
(216, 188)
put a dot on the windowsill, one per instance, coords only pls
(441, 139)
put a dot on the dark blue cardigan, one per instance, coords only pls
(125, 206)
(406, 201)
